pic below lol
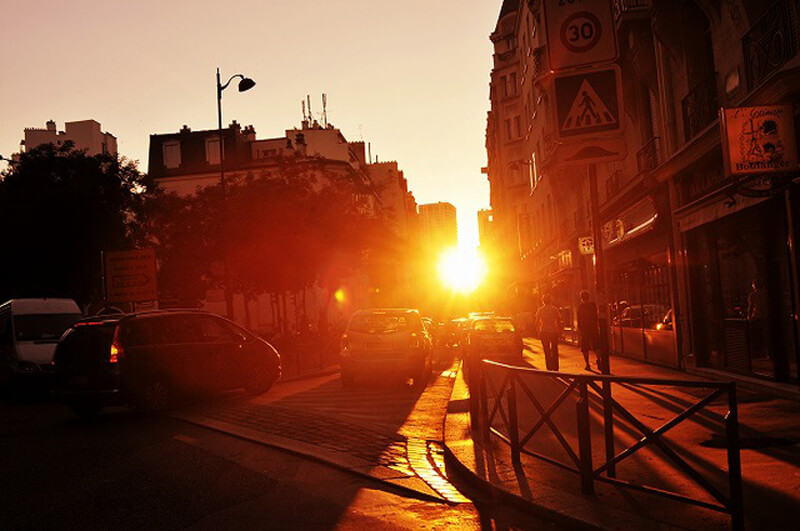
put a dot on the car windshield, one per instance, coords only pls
(494, 325)
(43, 327)
(379, 323)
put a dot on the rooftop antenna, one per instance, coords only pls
(303, 102)
(308, 98)
(324, 110)
(369, 152)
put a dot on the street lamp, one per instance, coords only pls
(245, 83)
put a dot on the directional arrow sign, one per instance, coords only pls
(130, 276)
(588, 104)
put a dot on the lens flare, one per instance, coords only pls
(462, 269)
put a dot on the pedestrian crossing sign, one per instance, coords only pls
(588, 103)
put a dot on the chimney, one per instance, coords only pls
(249, 133)
(51, 125)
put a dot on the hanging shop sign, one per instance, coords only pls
(579, 33)
(586, 245)
(631, 222)
(758, 140)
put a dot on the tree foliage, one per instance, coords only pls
(59, 208)
(297, 225)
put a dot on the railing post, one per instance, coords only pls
(585, 439)
(513, 424)
(608, 428)
(483, 402)
(734, 462)
(472, 378)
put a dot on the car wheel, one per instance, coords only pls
(260, 384)
(85, 409)
(422, 378)
(155, 396)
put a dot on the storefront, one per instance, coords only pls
(740, 285)
(640, 284)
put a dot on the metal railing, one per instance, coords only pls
(649, 156)
(625, 6)
(491, 403)
(700, 107)
(770, 42)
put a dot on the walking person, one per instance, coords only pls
(588, 329)
(549, 325)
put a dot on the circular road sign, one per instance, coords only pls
(580, 32)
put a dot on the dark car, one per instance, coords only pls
(148, 359)
(494, 338)
(386, 340)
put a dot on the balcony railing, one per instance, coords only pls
(770, 42)
(649, 156)
(626, 6)
(700, 107)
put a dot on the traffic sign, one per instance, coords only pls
(130, 276)
(579, 33)
(588, 103)
(591, 151)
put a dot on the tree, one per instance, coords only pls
(59, 209)
(299, 224)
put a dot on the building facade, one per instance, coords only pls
(438, 226)
(684, 242)
(84, 134)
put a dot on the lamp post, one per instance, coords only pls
(245, 83)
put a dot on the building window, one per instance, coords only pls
(517, 127)
(172, 154)
(509, 135)
(504, 85)
(212, 150)
(512, 81)
(524, 230)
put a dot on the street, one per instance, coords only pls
(126, 470)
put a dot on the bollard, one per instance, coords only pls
(608, 427)
(483, 401)
(585, 440)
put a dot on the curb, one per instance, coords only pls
(508, 498)
(347, 464)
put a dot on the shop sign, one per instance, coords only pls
(586, 245)
(632, 222)
(758, 140)
(579, 33)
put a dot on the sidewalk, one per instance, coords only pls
(770, 455)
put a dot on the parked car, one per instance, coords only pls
(386, 340)
(494, 338)
(29, 332)
(148, 359)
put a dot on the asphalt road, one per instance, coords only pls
(129, 471)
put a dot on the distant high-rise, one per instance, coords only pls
(84, 134)
(437, 225)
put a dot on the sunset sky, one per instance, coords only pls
(409, 77)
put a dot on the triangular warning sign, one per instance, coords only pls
(588, 110)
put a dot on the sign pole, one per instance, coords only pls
(602, 304)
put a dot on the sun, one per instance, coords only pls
(462, 269)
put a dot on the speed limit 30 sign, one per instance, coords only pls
(579, 33)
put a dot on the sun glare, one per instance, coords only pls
(461, 269)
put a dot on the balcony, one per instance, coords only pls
(700, 107)
(770, 42)
(649, 156)
(623, 7)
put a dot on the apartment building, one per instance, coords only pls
(683, 241)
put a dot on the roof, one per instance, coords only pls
(508, 7)
(41, 306)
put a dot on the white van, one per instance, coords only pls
(29, 332)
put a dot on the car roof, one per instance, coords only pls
(117, 317)
(378, 311)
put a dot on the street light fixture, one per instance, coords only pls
(245, 83)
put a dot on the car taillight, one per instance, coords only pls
(116, 353)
